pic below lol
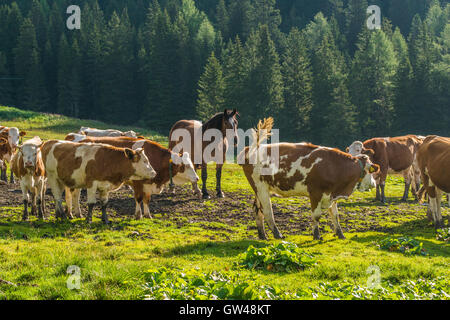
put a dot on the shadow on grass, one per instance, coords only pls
(214, 248)
(395, 201)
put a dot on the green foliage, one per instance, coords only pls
(443, 234)
(283, 257)
(404, 245)
(165, 284)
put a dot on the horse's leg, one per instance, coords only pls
(218, 181)
(205, 194)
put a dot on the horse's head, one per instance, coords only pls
(230, 122)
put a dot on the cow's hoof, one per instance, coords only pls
(316, 235)
(206, 196)
(220, 194)
(340, 235)
(148, 216)
(277, 235)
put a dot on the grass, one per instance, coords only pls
(114, 261)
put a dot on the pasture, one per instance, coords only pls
(195, 237)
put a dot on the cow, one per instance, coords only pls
(12, 135)
(396, 155)
(171, 168)
(28, 167)
(91, 166)
(434, 163)
(92, 132)
(75, 137)
(323, 174)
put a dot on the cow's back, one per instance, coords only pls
(434, 161)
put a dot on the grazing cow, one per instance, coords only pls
(93, 167)
(28, 167)
(434, 162)
(75, 137)
(171, 168)
(92, 132)
(323, 174)
(391, 154)
(222, 122)
(12, 135)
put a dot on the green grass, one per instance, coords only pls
(115, 261)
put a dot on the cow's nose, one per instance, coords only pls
(28, 164)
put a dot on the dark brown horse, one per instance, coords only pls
(197, 133)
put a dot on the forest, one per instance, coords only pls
(312, 65)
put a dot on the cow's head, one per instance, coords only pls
(29, 152)
(142, 167)
(5, 150)
(357, 148)
(366, 181)
(230, 122)
(14, 137)
(184, 170)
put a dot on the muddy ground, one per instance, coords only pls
(291, 216)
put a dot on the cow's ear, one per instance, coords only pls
(130, 153)
(369, 152)
(22, 133)
(3, 141)
(347, 149)
(374, 168)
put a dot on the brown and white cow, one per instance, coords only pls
(12, 135)
(169, 166)
(392, 155)
(91, 166)
(434, 162)
(28, 167)
(93, 132)
(323, 174)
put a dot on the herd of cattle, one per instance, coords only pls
(102, 161)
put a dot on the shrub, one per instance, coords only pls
(284, 257)
(404, 245)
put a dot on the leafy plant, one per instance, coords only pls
(443, 234)
(405, 245)
(284, 257)
(164, 284)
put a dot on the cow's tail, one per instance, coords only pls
(421, 193)
(259, 134)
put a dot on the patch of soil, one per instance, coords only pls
(236, 208)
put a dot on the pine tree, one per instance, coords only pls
(223, 18)
(211, 90)
(373, 77)
(6, 88)
(31, 92)
(297, 75)
(356, 16)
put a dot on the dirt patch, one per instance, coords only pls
(235, 209)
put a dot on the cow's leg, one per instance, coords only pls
(439, 222)
(383, 197)
(25, 197)
(57, 190)
(104, 203)
(91, 200)
(145, 203)
(3, 173)
(138, 197)
(11, 180)
(316, 207)
(76, 203)
(218, 181)
(33, 201)
(335, 219)
(40, 198)
(69, 204)
(378, 195)
(408, 177)
(205, 194)
(259, 217)
(266, 206)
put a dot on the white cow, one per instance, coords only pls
(106, 133)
